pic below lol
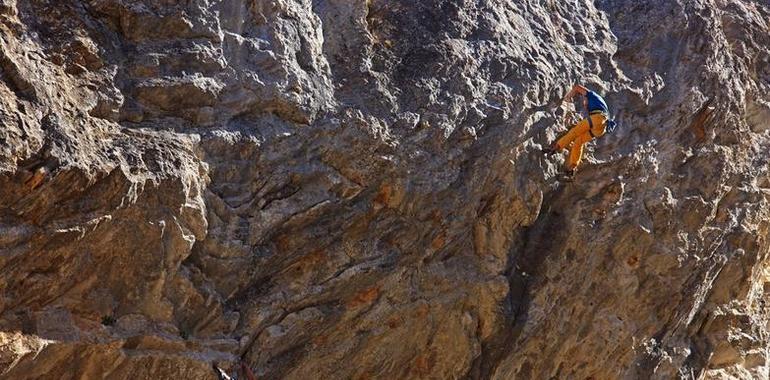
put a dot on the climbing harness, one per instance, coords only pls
(608, 128)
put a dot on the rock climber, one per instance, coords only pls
(585, 130)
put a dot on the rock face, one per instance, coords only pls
(353, 189)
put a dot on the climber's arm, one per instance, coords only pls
(576, 89)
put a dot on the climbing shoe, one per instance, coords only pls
(570, 173)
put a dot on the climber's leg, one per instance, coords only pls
(576, 151)
(581, 128)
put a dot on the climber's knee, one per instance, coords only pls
(577, 130)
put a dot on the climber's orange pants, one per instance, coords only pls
(578, 135)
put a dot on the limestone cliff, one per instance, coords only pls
(354, 189)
